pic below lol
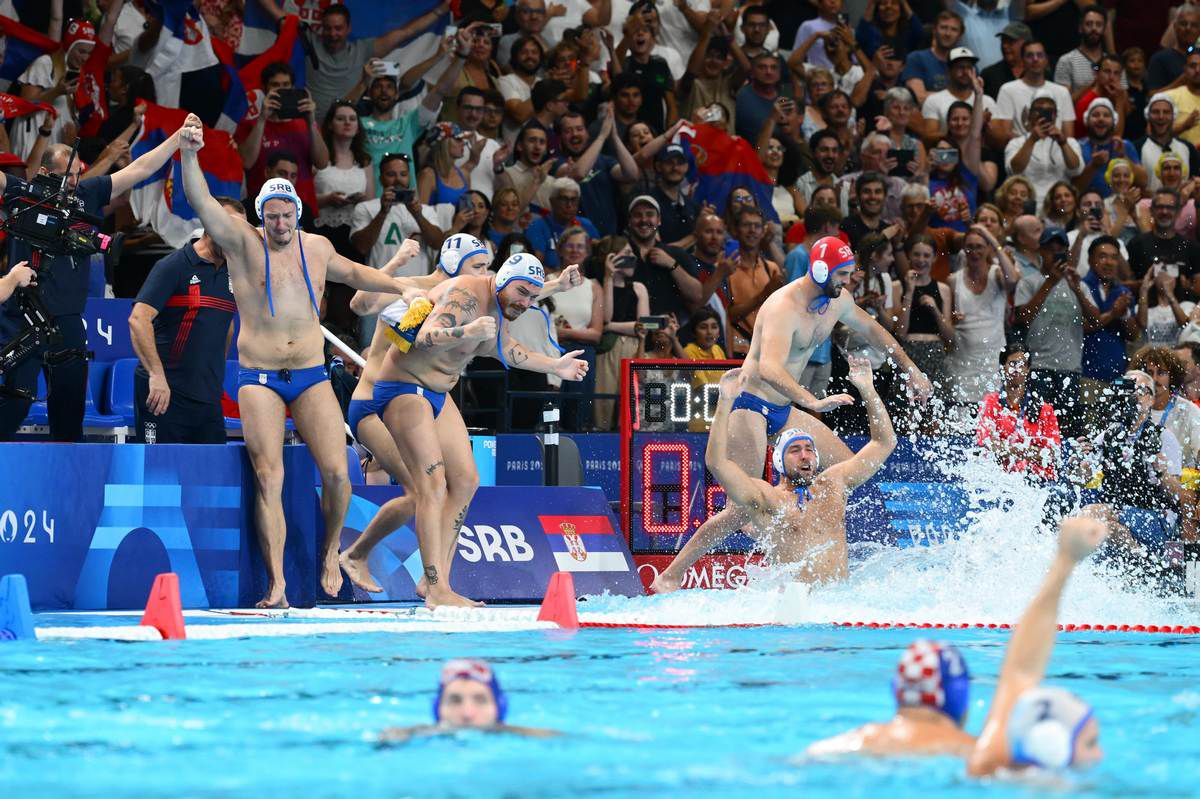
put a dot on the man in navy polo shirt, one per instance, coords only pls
(63, 282)
(181, 327)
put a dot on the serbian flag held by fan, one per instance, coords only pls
(584, 543)
(724, 163)
(13, 107)
(22, 46)
(91, 100)
(159, 200)
(288, 49)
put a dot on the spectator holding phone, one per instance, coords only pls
(1092, 221)
(1160, 139)
(1102, 145)
(889, 23)
(442, 182)
(348, 179)
(1018, 427)
(963, 86)
(1046, 154)
(1162, 307)
(285, 121)
(625, 301)
(1162, 244)
(380, 225)
(1014, 104)
(906, 148)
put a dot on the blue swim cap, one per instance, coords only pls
(785, 440)
(933, 674)
(477, 670)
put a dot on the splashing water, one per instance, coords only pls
(985, 572)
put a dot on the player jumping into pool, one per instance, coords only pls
(791, 324)
(281, 352)
(802, 518)
(411, 389)
(1030, 724)
(469, 697)
(460, 255)
(932, 688)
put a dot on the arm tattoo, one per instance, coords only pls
(462, 300)
(433, 467)
(517, 355)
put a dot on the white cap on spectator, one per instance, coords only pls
(962, 52)
(1042, 93)
(644, 198)
(1162, 97)
(1102, 102)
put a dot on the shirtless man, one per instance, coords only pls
(793, 322)
(281, 351)
(932, 689)
(460, 255)
(428, 430)
(802, 518)
(1029, 724)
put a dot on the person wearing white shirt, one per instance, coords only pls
(1015, 97)
(1044, 155)
(959, 88)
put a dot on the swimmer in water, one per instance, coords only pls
(802, 518)
(790, 325)
(932, 688)
(460, 255)
(469, 697)
(412, 393)
(1031, 725)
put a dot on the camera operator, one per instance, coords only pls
(62, 283)
(1136, 463)
(18, 277)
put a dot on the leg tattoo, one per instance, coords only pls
(433, 467)
(431, 575)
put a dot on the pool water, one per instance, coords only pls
(699, 712)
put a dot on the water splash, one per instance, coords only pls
(984, 572)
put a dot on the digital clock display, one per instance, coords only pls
(666, 491)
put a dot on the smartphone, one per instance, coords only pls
(1095, 212)
(1061, 257)
(289, 102)
(843, 19)
(652, 322)
(903, 158)
(1041, 115)
(626, 262)
(495, 30)
(711, 114)
(70, 75)
(1029, 208)
(944, 155)
(452, 30)
(465, 203)
(405, 196)
(389, 68)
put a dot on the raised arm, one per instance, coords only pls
(454, 319)
(229, 233)
(365, 302)
(360, 276)
(1032, 641)
(394, 38)
(739, 487)
(863, 465)
(125, 179)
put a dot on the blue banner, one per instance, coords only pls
(512, 540)
(107, 325)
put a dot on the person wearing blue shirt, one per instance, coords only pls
(1106, 332)
(756, 100)
(544, 231)
(928, 71)
(63, 282)
(1101, 145)
(984, 23)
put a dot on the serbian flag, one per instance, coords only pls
(159, 200)
(236, 103)
(14, 107)
(91, 100)
(287, 48)
(260, 33)
(724, 163)
(23, 46)
(584, 543)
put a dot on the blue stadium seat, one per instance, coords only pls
(92, 417)
(119, 395)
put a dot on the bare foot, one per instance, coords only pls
(275, 599)
(665, 583)
(422, 588)
(447, 598)
(359, 573)
(331, 574)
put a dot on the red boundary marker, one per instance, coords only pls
(164, 611)
(891, 625)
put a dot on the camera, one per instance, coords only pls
(289, 102)
(53, 221)
(1120, 403)
(650, 323)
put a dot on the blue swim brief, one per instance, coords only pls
(360, 409)
(386, 391)
(776, 415)
(289, 384)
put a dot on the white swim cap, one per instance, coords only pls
(1044, 725)
(277, 189)
(521, 266)
(457, 249)
(785, 440)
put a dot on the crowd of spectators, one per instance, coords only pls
(1017, 179)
